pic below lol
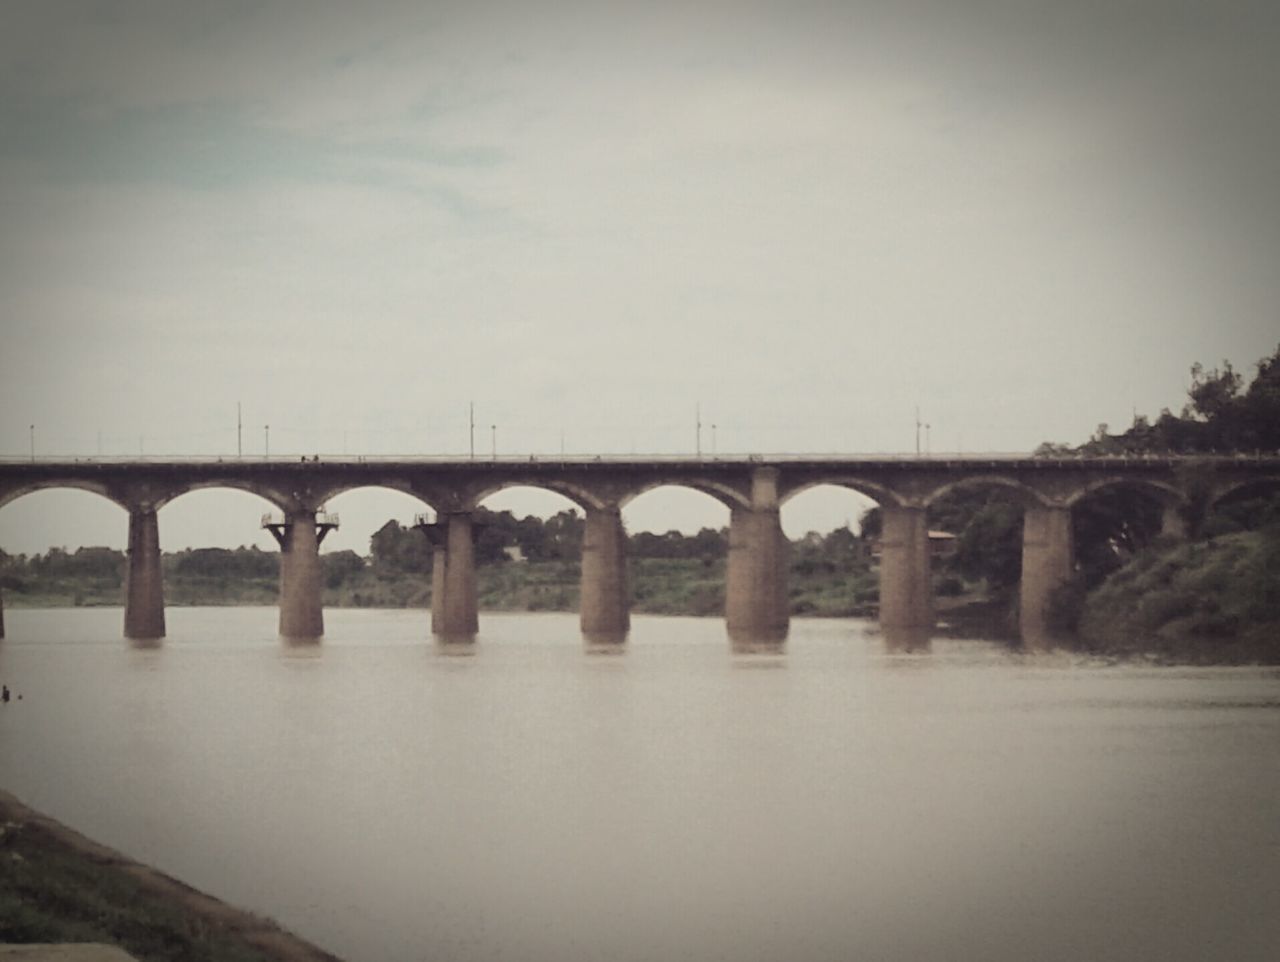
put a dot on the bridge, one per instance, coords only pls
(754, 488)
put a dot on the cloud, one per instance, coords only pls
(807, 221)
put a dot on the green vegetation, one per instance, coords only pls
(1216, 595)
(1215, 600)
(56, 886)
(1211, 597)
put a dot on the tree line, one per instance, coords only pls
(395, 549)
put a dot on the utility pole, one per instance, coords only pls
(473, 430)
(33, 442)
(918, 426)
(713, 440)
(493, 442)
(266, 442)
(239, 430)
(697, 418)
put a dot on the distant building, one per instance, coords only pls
(942, 544)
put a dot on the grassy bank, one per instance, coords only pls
(1214, 601)
(58, 886)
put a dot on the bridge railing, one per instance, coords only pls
(508, 458)
(664, 457)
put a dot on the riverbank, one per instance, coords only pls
(58, 886)
(1214, 601)
(660, 586)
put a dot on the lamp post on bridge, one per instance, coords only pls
(266, 442)
(33, 443)
(493, 442)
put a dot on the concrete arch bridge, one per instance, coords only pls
(754, 489)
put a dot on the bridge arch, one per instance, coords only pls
(1168, 495)
(37, 517)
(1027, 494)
(362, 509)
(579, 495)
(726, 494)
(1250, 487)
(214, 516)
(324, 495)
(879, 493)
(674, 527)
(77, 484)
(273, 497)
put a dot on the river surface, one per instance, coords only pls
(391, 800)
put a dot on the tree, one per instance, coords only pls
(240, 563)
(1214, 394)
(338, 566)
(1218, 416)
(989, 545)
(394, 547)
(987, 523)
(1260, 416)
(565, 531)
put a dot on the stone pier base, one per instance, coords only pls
(757, 611)
(144, 584)
(454, 615)
(301, 611)
(1047, 562)
(906, 586)
(604, 607)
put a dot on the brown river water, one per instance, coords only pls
(389, 799)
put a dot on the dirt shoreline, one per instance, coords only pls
(203, 910)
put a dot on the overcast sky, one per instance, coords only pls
(1025, 217)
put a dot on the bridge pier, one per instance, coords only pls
(906, 578)
(604, 608)
(439, 553)
(756, 602)
(453, 578)
(144, 583)
(1172, 524)
(1047, 563)
(299, 537)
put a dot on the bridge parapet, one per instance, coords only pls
(459, 485)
